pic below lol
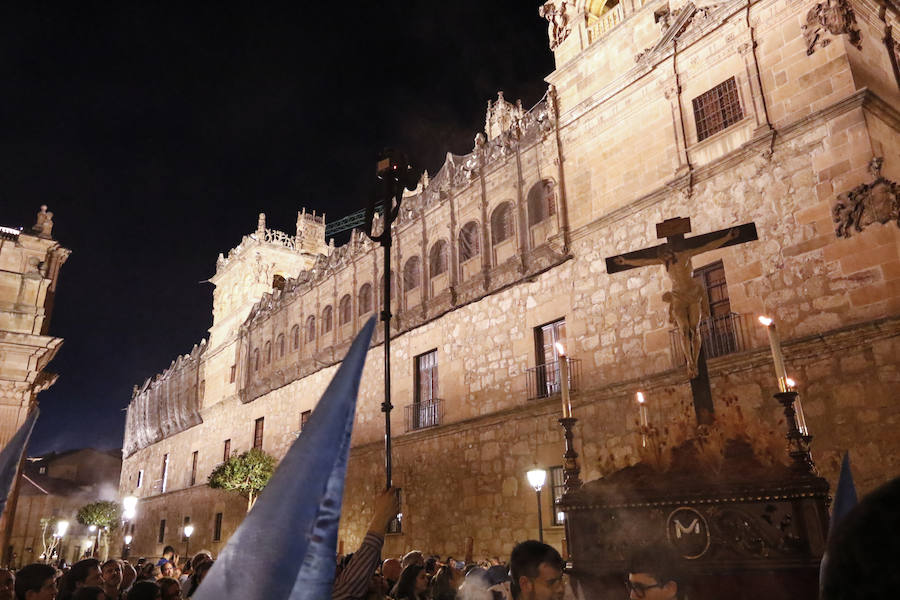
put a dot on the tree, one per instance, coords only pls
(104, 515)
(246, 474)
(48, 537)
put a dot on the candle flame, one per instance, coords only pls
(640, 397)
(790, 382)
(560, 349)
(766, 321)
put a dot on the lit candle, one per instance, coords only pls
(564, 381)
(777, 356)
(799, 417)
(644, 420)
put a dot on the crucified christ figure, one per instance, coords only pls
(687, 299)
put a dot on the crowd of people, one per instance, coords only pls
(857, 568)
(167, 578)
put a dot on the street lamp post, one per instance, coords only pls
(188, 530)
(129, 510)
(537, 478)
(61, 528)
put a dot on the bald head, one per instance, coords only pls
(391, 569)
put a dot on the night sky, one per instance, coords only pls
(156, 134)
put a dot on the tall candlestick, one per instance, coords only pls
(800, 418)
(777, 356)
(644, 419)
(564, 381)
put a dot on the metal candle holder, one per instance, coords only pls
(571, 471)
(798, 443)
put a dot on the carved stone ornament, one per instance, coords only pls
(44, 223)
(832, 16)
(876, 202)
(557, 13)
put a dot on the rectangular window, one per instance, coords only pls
(162, 531)
(557, 487)
(720, 334)
(140, 478)
(227, 454)
(547, 356)
(426, 376)
(217, 528)
(717, 109)
(164, 478)
(232, 374)
(304, 417)
(194, 467)
(258, 432)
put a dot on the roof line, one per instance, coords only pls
(31, 481)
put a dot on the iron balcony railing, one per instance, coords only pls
(543, 380)
(721, 335)
(420, 415)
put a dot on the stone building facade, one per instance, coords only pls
(55, 486)
(777, 112)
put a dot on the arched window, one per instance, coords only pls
(541, 201)
(277, 282)
(280, 345)
(468, 241)
(412, 273)
(310, 328)
(365, 299)
(438, 258)
(295, 337)
(501, 223)
(326, 319)
(345, 310)
(268, 352)
(256, 359)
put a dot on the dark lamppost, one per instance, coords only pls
(537, 478)
(393, 174)
(188, 530)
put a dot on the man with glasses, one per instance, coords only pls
(536, 570)
(653, 575)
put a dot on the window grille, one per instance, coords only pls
(258, 432)
(541, 202)
(468, 241)
(439, 259)
(545, 339)
(304, 417)
(326, 319)
(501, 223)
(345, 312)
(365, 299)
(162, 531)
(717, 109)
(557, 487)
(310, 329)
(217, 528)
(412, 273)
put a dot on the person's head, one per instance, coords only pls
(7, 585)
(90, 592)
(149, 572)
(145, 590)
(84, 573)
(201, 570)
(168, 552)
(36, 582)
(653, 574)
(391, 569)
(445, 582)
(413, 557)
(169, 588)
(413, 583)
(129, 574)
(854, 566)
(112, 573)
(166, 569)
(536, 570)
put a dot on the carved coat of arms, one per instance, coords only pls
(832, 16)
(875, 202)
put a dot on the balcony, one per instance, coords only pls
(421, 415)
(543, 380)
(723, 335)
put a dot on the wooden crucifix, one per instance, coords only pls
(687, 300)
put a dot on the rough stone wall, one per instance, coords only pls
(630, 158)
